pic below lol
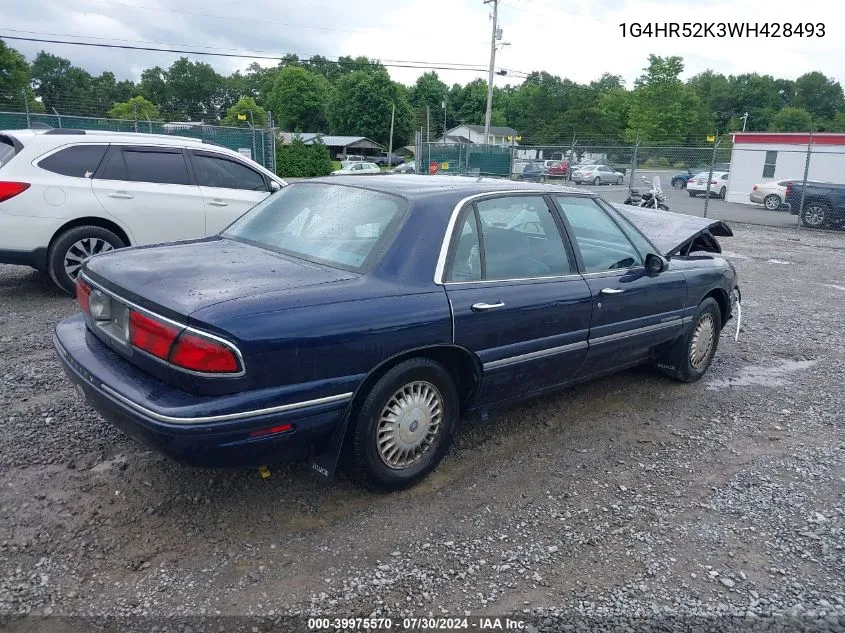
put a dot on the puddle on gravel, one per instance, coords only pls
(777, 261)
(834, 286)
(731, 255)
(774, 375)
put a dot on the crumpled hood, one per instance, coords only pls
(676, 233)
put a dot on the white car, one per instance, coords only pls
(697, 185)
(66, 195)
(597, 174)
(356, 169)
(769, 194)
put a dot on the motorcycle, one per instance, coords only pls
(651, 199)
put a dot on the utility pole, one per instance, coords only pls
(444, 119)
(489, 112)
(744, 120)
(135, 114)
(26, 107)
(390, 146)
(428, 124)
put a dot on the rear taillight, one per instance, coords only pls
(11, 189)
(199, 353)
(713, 182)
(788, 188)
(151, 335)
(83, 293)
(754, 188)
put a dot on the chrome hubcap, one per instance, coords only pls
(702, 340)
(814, 215)
(409, 424)
(81, 250)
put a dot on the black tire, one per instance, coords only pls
(678, 184)
(692, 194)
(597, 181)
(65, 241)
(367, 465)
(772, 202)
(722, 193)
(663, 207)
(677, 363)
(815, 215)
(619, 180)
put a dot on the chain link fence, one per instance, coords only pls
(255, 143)
(760, 183)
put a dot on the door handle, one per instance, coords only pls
(611, 291)
(121, 195)
(482, 307)
(218, 203)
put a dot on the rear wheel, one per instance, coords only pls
(619, 180)
(597, 181)
(772, 202)
(405, 425)
(722, 193)
(71, 247)
(692, 194)
(690, 357)
(678, 184)
(815, 215)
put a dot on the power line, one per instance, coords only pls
(275, 57)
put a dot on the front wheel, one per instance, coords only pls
(692, 194)
(619, 180)
(722, 193)
(678, 184)
(70, 248)
(405, 426)
(690, 357)
(597, 181)
(663, 207)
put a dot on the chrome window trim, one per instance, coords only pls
(499, 281)
(440, 268)
(187, 328)
(227, 416)
(551, 351)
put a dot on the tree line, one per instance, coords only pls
(354, 96)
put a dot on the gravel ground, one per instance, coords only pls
(632, 498)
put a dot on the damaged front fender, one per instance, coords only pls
(676, 233)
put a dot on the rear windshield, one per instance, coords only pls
(7, 150)
(336, 225)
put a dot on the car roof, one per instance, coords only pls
(414, 186)
(67, 135)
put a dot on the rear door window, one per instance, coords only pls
(7, 150)
(219, 171)
(160, 166)
(80, 161)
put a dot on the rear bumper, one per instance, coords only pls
(36, 258)
(111, 385)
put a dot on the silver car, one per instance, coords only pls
(597, 174)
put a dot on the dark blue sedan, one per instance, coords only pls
(368, 316)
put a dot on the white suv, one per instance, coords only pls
(68, 194)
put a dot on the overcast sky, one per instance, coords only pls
(578, 39)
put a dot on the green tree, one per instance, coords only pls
(135, 108)
(106, 91)
(293, 160)
(792, 120)
(14, 79)
(663, 109)
(194, 91)
(153, 86)
(299, 99)
(61, 85)
(361, 105)
(426, 98)
(821, 96)
(254, 113)
(320, 161)
(714, 92)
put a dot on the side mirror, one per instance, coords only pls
(274, 186)
(654, 264)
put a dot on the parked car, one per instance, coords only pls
(534, 172)
(406, 168)
(351, 158)
(368, 313)
(679, 181)
(392, 160)
(697, 185)
(597, 175)
(357, 169)
(769, 194)
(824, 203)
(557, 169)
(68, 194)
